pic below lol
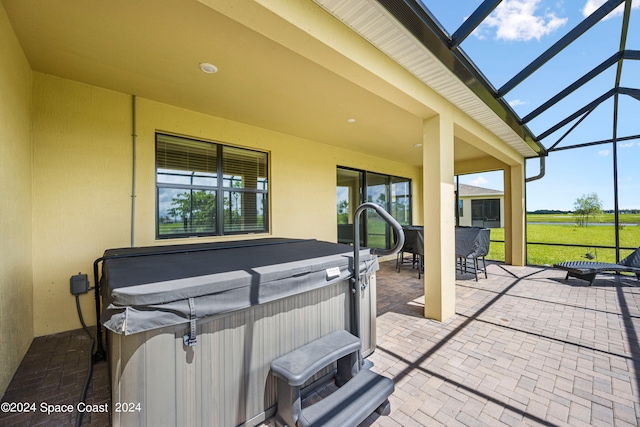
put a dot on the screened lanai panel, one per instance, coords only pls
(558, 72)
(630, 76)
(629, 114)
(556, 195)
(633, 35)
(629, 194)
(562, 185)
(549, 83)
(501, 50)
(449, 19)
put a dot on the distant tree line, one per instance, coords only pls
(548, 211)
(623, 211)
(608, 211)
(586, 208)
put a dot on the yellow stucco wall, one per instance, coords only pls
(16, 312)
(81, 191)
(66, 171)
(83, 172)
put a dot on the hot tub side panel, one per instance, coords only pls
(368, 314)
(224, 380)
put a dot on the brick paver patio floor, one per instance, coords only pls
(525, 347)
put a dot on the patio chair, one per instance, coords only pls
(414, 245)
(587, 270)
(472, 243)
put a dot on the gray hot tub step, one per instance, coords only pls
(350, 404)
(360, 391)
(301, 364)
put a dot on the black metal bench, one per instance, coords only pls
(360, 392)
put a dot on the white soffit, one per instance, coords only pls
(376, 25)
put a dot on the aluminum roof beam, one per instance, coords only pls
(591, 144)
(635, 93)
(572, 87)
(575, 125)
(472, 22)
(616, 57)
(623, 37)
(593, 104)
(419, 20)
(565, 41)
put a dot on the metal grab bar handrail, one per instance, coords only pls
(355, 280)
(376, 251)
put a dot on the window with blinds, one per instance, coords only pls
(205, 188)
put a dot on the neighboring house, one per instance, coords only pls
(114, 132)
(480, 207)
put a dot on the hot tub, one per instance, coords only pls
(192, 329)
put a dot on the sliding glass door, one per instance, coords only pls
(348, 197)
(390, 192)
(377, 192)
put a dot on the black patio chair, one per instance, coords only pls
(414, 245)
(587, 270)
(472, 243)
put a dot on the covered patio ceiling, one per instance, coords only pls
(286, 80)
(271, 73)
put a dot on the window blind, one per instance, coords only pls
(184, 157)
(244, 168)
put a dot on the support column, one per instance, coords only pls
(439, 218)
(515, 216)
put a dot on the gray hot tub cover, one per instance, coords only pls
(148, 288)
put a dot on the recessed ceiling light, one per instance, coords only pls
(351, 120)
(208, 68)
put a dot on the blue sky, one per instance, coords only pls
(515, 34)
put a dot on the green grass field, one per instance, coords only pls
(569, 218)
(562, 230)
(569, 233)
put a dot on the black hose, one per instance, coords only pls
(90, 372)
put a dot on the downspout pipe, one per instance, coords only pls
(134, 137)
(531, 179)
(457, 200)
(542, 170)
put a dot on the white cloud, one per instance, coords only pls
(517, 20)
(627, 145)
(592, 5)
(479, 181)
(516, 102)
(603, 153)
